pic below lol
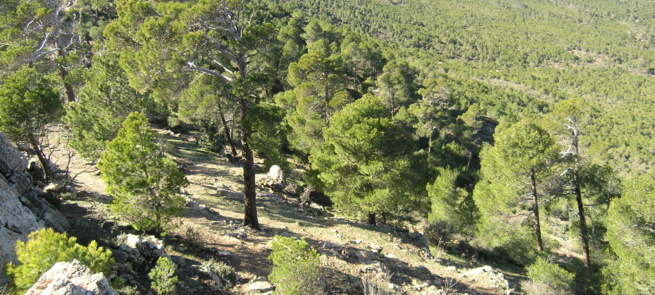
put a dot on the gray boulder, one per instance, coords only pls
(274, 179)
(148, 247)
(71, 278)
(22, 207)
(16, 220)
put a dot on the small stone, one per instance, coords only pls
(421, 286)
(393, 286)
(179, 260)
(451, 268)
(375, 247)
(480, 270)
(119, 256)
(261, 287)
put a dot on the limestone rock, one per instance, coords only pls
(149, 247)
(277, 175)
(119, 256)
(53, 187)
(71, 279)
(480, 270)
(178, 260)
(230, 194)
(13, 166)
(260, 287)
(375, 247)
(274, 179)
(16, 220)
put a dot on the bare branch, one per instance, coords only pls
(209, 72)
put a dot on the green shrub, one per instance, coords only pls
(45, 248)
(144, 182)
(128, 290)
(212, 141)
(163, 277)
(548, 279)
(295, 269)
(221, 269)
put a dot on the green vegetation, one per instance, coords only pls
(103, 104)
(512, 187)
(506, 125)
(630, 233)
(548, 278)
(163, 277)
(295, 268)
(221, 269)
(45, 248)
(27, 103)
(145, 183)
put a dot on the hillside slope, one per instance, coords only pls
(353, 254)
(550, 50)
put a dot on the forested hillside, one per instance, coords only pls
(519, 129)
(600, 51)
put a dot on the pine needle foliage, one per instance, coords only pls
(295, 269)
(144, 182)
(163, 277)
(46, 247)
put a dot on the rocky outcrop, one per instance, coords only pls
(71, 278)
(147, 247)
(22, 208)
(274, 179)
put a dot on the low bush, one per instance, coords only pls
(548, 279)
(296, 269)
(221, 269)
(193, 237)
(163, 277)
(45, 247)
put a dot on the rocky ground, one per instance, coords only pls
(354, 255)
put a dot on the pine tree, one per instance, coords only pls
(511, 171)
(182, 40)
(451, 205)
(397, 85)
(144, 182)
(27, 103)
(631, 233)
(364, 159)
(320, 90)
(102, 106)
(43, 32)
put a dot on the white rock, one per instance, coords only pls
(72, 278)
(261, 287)
(480, 270)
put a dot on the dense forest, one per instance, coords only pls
(484, 121)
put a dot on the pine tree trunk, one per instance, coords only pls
(228, 136)
(249, 187)
(537, 225)
(430, 145)
(468, 163)
(68, 89)
(583, 221)
(371, 218)
(41, 156)
(63, 73)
